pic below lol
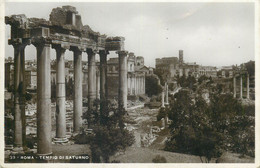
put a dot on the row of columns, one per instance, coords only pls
(241, 86)
(138, 83)
(44, 90)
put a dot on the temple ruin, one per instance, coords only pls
(63, 31)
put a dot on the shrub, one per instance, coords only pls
(159, 159)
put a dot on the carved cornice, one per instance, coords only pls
(58, 30)
(114, 43)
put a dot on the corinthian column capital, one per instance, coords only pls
(122, 53)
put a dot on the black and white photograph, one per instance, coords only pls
(129, 82)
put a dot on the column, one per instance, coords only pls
(7, 74)
(163, 99)
(138, 86)
(122, 92)
(18, 140)
(134, 83)
(247, 86)
(43, 98)
(141, 84)
(97, 85)
(144, 85)
(234, 87)
(131, 87)
(166, 99)
(22, 94)
(77, 107)
(103, 79)
(60, 95)
(91, 77)
(241, 87)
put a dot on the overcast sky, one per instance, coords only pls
(214, 34)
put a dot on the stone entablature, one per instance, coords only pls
(62, 28)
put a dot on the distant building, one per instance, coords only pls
(135, 76)
(31, 78)
(168, 66)
(171, 67)
(209, 71)
(227, 71)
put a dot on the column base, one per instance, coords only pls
(18, 150)
(60, 140)
(47, 154)
(9, 147)
(75, 134)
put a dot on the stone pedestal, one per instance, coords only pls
(91, 78)
(43, 99)
(122, 92)
(60, 96)
(77, 115)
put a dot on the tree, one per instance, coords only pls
(161, 74)
(69, 88)
(109, 131)
(202, 78)
(192, 131)
(250, 66)
(159, 159)
(107, 141)
(188, 82)
(151, 86)
(162, 113)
